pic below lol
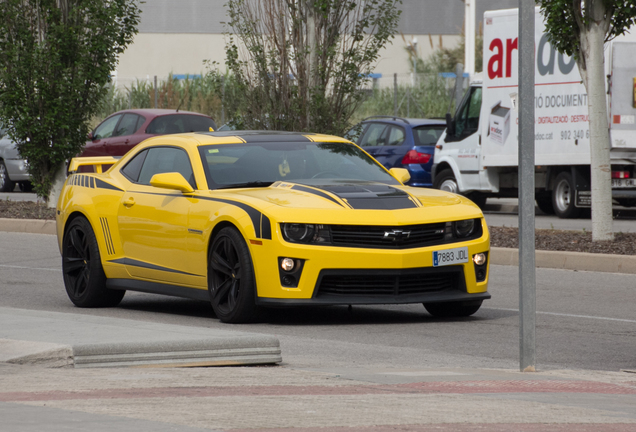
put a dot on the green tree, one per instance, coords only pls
(580, 29)
(56, 57)
(300, 64)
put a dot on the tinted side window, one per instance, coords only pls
(395, 136)
(165, 160)
(467, 119)
(178, 123)
(132, 168)
(373, 135)
(106, 129)
(127, 125)
(427, 135)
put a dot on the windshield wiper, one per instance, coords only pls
(246, 185)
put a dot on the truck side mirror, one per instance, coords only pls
(450, 125)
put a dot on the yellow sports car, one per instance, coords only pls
(248, 219)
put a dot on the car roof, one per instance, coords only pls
(157, 112)
(413, 122)
(260, 136)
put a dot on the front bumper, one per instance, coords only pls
(344, 275)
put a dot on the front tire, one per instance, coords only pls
(563, 197)
(6, 184)
(231, 278)
(446, 181)
(453, 309)
(82, 269)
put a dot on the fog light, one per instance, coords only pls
(287, 264)
(479, 259)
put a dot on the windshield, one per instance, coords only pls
(260, 164)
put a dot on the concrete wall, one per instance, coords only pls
(178, 36)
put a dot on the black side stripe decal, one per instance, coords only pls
(266, 227)
(103, 185)
(316, 192)
(109, 241)
(135, 263)
(254, 215)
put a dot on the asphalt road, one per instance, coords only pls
(585, 320)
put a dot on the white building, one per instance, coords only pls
(177, 36)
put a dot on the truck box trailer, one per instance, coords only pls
(478, 154)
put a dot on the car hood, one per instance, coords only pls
(349, 201)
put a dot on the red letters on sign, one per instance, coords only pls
(496, 61)
(496, 58)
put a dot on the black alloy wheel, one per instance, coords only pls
(453, 309)
(231, 278)
(82, 269)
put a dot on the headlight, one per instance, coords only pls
(305, 233)
(298, 233)
(464, 228)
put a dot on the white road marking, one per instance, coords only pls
(31, 268)
(571, 315)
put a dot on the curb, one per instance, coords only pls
(31, 226)
(499, 256)
(579, 261)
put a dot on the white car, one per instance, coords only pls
(13, 168)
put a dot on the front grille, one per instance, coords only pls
(389, 283)
(411, 236)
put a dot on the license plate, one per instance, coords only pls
(623, 183)
(450, 256)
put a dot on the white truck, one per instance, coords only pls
(478, 154)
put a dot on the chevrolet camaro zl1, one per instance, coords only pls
(250, 219)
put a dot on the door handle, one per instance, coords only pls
(129, 202)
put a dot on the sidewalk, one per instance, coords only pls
(288, 399)
(82, 341)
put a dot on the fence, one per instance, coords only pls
(403, 95)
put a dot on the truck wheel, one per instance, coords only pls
(544, 202)
(563, 197)
(445, 181)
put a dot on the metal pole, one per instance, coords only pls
(155, 91)
(395, 94)
(527, 273)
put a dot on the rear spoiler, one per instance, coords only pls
(96, 161)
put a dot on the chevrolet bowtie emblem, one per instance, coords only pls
(396, 235)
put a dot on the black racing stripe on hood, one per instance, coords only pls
(316, 192)
(372, 196)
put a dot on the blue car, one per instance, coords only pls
(401, 143)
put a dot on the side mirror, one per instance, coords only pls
(450, 124)
(401, 174)
(171, 180)
(90, 136)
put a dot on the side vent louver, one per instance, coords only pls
(109, 241)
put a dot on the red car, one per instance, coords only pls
(123, 130)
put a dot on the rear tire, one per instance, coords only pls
(82, 269)
(453, 309)
(231, 278)
(563, 197)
